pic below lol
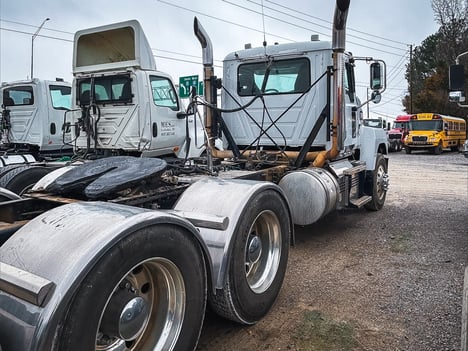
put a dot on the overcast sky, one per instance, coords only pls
(381, 29)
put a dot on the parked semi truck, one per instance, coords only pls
(32, 131)
(32, 118)
(126, 250)
(397, 134)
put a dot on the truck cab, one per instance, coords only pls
(123, 105)
(397, 134)
(295, 108)
(33, 116)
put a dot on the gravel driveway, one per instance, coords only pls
(386, 280)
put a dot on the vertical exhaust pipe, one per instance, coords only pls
(210, 91)
(208, 73)
(338, 47)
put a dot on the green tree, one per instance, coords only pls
(427, 73)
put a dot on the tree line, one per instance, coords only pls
(428, 70)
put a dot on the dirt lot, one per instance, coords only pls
(359, 280)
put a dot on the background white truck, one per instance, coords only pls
(32, 118)
(124, 252)
(32, 130)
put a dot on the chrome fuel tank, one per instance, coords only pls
(311, 193)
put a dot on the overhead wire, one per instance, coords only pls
(307, 21)
(392, 74)
(329, 22)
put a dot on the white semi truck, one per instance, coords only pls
(32, 118)
(32, 130)
(124, 252)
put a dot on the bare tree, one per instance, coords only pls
(452, 15)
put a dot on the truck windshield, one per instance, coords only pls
(402, 125)
(61, 97)
(290, 76)
(17, 96)
(108, 89)
(426, 125)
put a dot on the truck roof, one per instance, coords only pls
(33, 81)
(279, 49)
(113, 46)
(403, 118)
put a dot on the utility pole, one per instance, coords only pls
(411, 79)
(32, 44)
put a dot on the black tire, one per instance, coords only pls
(258, 260)
(438, 149)
(21, 179)
(166, 267)
(376, 184)
(4, 170)
(407, 149)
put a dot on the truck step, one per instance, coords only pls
(361, 201)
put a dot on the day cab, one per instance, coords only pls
(397, 134)
(33, 114)
(435, 132)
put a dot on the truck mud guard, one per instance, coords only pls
(69, 258)
(249, 255)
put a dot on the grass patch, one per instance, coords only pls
(319, 333)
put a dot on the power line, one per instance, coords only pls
(310, 22)
(225, 21)
(39, 35)
(329, 22)
(35, 27)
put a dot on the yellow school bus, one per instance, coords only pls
(435, 132)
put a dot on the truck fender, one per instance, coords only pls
(373, 141)
(225, 198)
(52, 254)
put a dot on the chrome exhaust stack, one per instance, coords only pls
(338, 46)
(210, 92)
(208, 73)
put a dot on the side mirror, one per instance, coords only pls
(376, 97)
(456, 96)
(377, 74)
(456, 78)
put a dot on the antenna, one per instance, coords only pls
(263, 21)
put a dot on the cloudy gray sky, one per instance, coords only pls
(381, 29)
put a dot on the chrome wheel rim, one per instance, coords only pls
(263, 251)
(145, 310)
(381, 182)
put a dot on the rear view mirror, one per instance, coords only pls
(376, 76)
(376, 97)
(456, 96)
(456, 78)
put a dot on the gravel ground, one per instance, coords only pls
(386, 280)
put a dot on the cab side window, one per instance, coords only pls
(164, 93)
